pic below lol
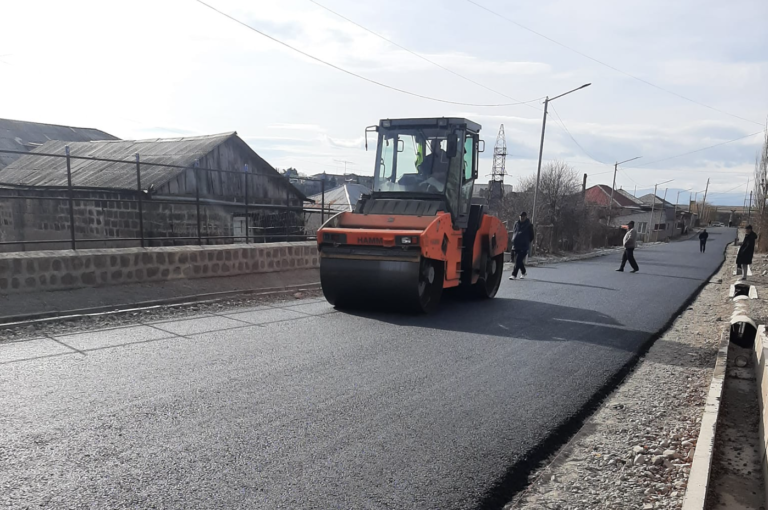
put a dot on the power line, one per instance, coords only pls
(422, 57)
(572, 138)
(473, 2)
(697, 150)
(727, 191)
(626, 174)
(369, 80)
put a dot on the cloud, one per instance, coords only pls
(212, 75)
(734, 75)
(472, 65)
(356, 143)
(296, 127)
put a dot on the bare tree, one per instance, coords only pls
(761, 194)
(559, 206)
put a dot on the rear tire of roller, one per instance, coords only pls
(430, 285)
(487, 287)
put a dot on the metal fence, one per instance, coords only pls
(73, 216)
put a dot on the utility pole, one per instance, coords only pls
(650, 223)
(663, 211)
(676, 201)
(704, 202)
(613, 187)
(745, 195)
(635, 193)
(538, 170)
(541, 152)
(610, 204)
(749, 213)
(653, 207)
(584, 214)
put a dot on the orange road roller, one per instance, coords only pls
(418, 231)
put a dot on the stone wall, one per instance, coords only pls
(67, 269)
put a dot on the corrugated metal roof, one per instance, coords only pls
(19, 135)
(620, 197)
(341, 198)
(633, 199)
(51, 171)
(650, 198)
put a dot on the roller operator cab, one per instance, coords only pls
(418, 232)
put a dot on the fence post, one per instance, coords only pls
(197, 202)
(322, 202)
(71, 200)
(141, 198)
(246, 204)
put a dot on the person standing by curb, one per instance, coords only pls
(630, 241)
(746, 250)
(703, 241)
(522, 237)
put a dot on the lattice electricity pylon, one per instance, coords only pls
(499, 157)
(496, 186)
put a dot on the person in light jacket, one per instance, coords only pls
(746, 250)
(630, 240)
(522, 237)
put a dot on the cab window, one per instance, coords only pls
(469, 157)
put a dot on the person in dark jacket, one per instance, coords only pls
(522, 237)
(746, 250)
(703, 240)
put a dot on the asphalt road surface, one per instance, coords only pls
(300, 406)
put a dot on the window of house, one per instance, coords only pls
(642, 227)
(660, 226)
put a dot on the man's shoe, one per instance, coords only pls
(513, 277)
(620, 270)
(522, 276)
(634, 271)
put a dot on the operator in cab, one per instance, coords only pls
(434, 169)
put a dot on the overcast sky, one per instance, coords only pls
(160, 68)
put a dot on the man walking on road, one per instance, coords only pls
(746, 250)
(630, 240)
(703, 241)
(522, 237)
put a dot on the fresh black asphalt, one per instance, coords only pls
(298, 406)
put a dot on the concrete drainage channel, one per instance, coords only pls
(730, 467)
(185, 301)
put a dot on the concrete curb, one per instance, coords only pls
(602, 252)
(211, 297)
(761, 372)
(698, 480)
(584, 256)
